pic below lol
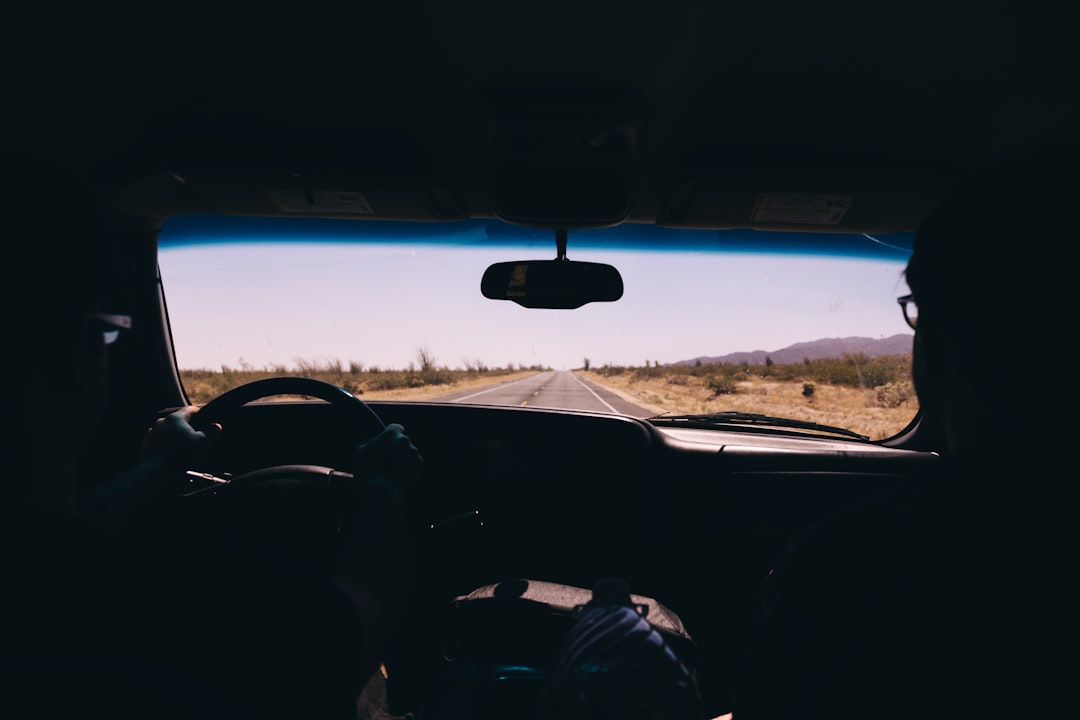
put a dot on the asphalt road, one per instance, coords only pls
(555, 389)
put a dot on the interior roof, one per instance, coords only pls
(203, 106)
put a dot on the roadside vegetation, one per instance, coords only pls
(872, 396)
(421, 379)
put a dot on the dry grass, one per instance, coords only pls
(203, 386)
(830, 404)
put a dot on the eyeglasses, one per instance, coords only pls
(911, 310)
(109, 325)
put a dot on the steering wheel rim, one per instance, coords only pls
(226, 405)
(303, 501)
(222, 409)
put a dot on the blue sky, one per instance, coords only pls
(273, 302)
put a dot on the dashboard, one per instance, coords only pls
(693, 518)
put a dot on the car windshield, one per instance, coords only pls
(710, 321)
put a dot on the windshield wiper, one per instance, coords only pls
(710, 420)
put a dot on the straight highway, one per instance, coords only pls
(554, 389)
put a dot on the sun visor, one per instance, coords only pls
(357, 173)
(795, 200)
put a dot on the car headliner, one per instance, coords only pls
(209, 106)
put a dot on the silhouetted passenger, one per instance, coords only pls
(942, 598)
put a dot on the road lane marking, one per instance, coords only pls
(594, 394)
(493, 389)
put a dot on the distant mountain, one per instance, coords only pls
(815, 350)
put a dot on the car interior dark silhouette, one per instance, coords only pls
(806, 125)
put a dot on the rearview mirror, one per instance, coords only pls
(553, 284)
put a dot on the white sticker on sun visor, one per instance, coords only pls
(321, 201)
(801, 208)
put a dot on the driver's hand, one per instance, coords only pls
(173, 443)
(170, 445)
(389, 460)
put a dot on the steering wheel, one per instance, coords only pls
(293, 508)
(225, 407)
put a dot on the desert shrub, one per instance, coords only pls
(647, 371)
(893, 394)
(304, 368)
(808, 389)
(700, 370)
(677, 380)
(856, 358)
(858, 371)
(721, 385)
(787, 373)
(425, 358)
(437, 376)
